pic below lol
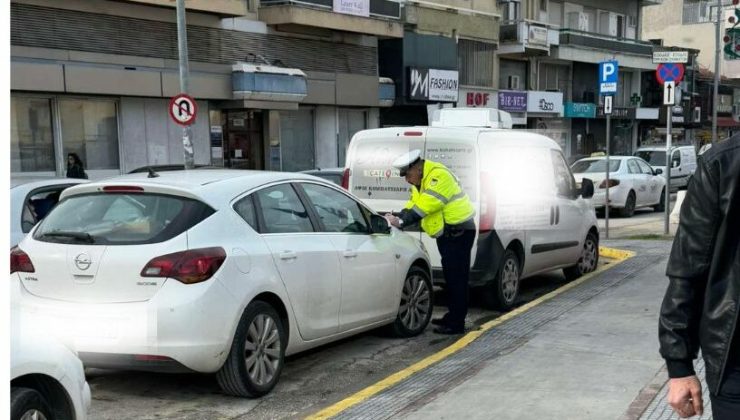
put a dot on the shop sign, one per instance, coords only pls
(512, 101)
(476, 98)
(433, 85)
(580, 110)
(352, 7)
(617, 113)
(545, 102)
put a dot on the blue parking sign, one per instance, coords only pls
(608, 75)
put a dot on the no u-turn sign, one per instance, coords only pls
(183, 109)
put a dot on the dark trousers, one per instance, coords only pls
(726, 405)
(455, 252)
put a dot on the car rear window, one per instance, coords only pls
(121, 219)
(589, 166)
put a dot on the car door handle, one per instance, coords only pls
(288, 255)
(349, 253)
(557, 215)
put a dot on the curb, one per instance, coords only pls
(616, 254)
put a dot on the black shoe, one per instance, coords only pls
(447, 330)
(439, 321)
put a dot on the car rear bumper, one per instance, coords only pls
(617, 198)
(191, 324)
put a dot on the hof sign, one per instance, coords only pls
(183, 109)
(431, 85)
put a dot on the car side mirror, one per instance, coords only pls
(587, 188)
(378, 224)
(658, 171)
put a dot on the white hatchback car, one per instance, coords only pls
(632, 183)
(221, 271)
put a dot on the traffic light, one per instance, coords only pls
(732, 35)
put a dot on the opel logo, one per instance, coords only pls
(82, 261)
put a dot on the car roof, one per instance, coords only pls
(216, 187)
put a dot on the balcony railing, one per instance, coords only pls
(386, 9)
(604, 42)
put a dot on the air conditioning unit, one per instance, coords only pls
(578, 21)
(513, 83)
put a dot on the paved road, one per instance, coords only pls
(308, 382)
(643, 223)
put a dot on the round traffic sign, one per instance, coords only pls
(183, 109)
(669, 72)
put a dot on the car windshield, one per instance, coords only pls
(588, 166)
(120, 219)
(653, 157)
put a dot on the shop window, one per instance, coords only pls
(90, 129)
(31, 135)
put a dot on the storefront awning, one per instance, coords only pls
(268, 83)
(727, 122)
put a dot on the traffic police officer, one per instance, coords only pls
(447, 215)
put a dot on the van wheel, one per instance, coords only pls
(257, 353)
(588, 261)
(661, 205)
(629, 205)
(416, 306)
(503, 291)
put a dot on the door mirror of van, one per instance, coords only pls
(587, 188)
(378, 224)
(657, 171)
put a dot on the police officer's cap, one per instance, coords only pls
(407, 160)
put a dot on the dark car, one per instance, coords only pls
(330, 174)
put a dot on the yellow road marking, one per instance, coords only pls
(617, 254)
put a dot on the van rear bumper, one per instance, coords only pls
(485, 264)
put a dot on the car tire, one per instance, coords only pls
(629, 205)
(27, 402)
(501, 294)
(588, 261)
(661, 204)
(417, 304)
(261, 337)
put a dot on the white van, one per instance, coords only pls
(683, 163)
(531, 216)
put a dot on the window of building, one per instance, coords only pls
(31, 135)
(297, 147)
(624, 90)
(475, 61)
(513, 75)
(543, 5)
(90, 129)
(555, 14)
(511, 10)
(555, 77)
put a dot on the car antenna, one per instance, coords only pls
(152, 174)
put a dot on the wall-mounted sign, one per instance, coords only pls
(580, 110)
(512, 101)
(352, 7)
(477, 98)
(617, 113)
(433, 85)
(545, 102)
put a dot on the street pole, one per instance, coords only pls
(606, 204)
(668, 164)
(182, 48)
(717, 53)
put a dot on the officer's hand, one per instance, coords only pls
(684, 395)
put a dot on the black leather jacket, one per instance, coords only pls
(700, 308)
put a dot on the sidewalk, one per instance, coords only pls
(589, 353)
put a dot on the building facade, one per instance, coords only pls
(279, 85)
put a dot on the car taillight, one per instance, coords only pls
(193, 266)
(487, 203)
(612, 183)
(345, 178)
(20, 261)
(123, 189)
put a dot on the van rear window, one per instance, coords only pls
(121, 219)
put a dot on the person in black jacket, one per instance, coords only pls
(75, 169)
(700, 308)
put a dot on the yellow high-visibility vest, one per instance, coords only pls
(441, 200)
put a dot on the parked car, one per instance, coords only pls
(31, 199)
(47, 380)
(530, 215)
(632, 183)
(330, 174)
(683, 163)
(224, 271)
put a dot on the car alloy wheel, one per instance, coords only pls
(262, 349)
(415, 302)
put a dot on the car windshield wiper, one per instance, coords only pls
(80, 236)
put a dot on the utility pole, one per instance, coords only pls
(182, 48)
(715, 98)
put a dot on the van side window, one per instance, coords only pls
(564, 182)
(676, 158)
